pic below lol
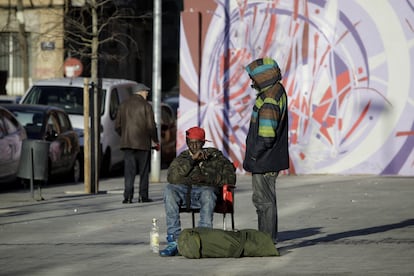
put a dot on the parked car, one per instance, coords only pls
(12, 134)
(168, 134)
(172, 98)
(67, 94)
(4, 99)
(52, 124)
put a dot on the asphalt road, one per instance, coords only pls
(329, 225)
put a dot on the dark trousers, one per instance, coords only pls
(264, 199)
(136, 160)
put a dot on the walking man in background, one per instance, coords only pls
(136, 125)
(267, 141)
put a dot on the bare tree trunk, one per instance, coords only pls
(94, 79)
(94, 61)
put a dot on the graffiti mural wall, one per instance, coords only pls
(348, 68)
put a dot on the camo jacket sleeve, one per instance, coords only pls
(180, 168)
(215, 171)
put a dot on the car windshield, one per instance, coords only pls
(68, 98)
(32, 122)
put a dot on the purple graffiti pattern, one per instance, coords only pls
(348, 112)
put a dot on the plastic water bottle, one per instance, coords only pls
(154, 237)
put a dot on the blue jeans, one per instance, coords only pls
(264, 199)
(202, 197)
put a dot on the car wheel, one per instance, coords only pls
(76, 171)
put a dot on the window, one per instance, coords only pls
(3, 131)
(10, 54)
(10, 125)
(64, 122)
(53, 123)
(114, 104)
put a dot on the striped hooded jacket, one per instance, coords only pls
(267, 138)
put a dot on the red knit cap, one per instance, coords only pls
(196, 133)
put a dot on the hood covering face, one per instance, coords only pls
(264, 72)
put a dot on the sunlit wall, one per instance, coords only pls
(348, 68)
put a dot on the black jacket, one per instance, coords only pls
(269, 153)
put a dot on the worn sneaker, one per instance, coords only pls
(170, 250)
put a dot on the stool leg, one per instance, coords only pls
(192, 215)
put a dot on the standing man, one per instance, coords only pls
(136, 125)
(267, 141)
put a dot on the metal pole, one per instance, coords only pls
(156, 88)
(31, 173)
(93, 137)
(86, 138)
(96, 140)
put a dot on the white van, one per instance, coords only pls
(67, 94)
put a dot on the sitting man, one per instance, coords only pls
(194, 179)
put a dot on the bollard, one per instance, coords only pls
(34, 163)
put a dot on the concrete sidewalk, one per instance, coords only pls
(329, 225)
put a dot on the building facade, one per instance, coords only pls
(37, 36)
(31, 42)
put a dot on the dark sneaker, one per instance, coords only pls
(125, 201)
(170, 250)
(142, 199)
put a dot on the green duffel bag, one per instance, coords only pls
(216, 243)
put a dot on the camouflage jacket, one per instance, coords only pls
(215, 171)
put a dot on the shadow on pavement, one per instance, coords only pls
(297, 234)
(341, 235)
